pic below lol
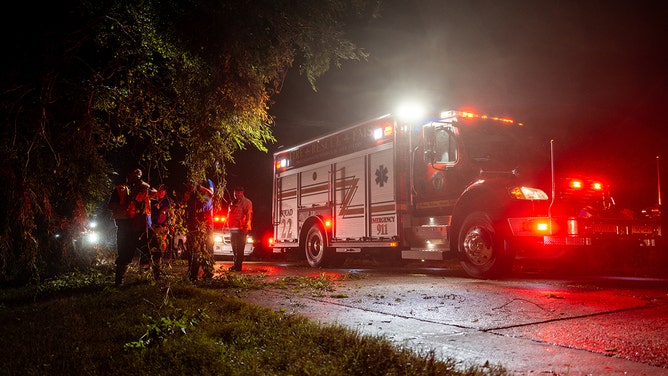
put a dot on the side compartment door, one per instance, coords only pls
(286, 231)
(350, 196)
(314, 187)
(383, 216)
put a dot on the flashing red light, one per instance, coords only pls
(575, 184)
(387, 131)
(328, 223)
(219, 218)
(472, 115)
(597, 186)
(270, 241)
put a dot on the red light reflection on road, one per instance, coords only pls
(268, 270)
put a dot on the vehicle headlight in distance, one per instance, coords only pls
(218, 238)
(249, 240)
(93, 237)
(527, 193)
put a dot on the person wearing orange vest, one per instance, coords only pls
(129, 211)
(160, 223)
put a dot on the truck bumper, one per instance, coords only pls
(588, 241)
(585, 232)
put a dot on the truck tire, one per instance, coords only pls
(483, 251)
(318, 255)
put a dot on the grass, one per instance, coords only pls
(80, 324)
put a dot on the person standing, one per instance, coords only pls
(160, 228)
(141, 223)
(199, 223)
(239, 216)
(124, 208)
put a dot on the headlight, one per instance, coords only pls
(249, 240)
(93, 237)
(218, 239)
(527, 193)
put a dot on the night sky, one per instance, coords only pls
(592, 75)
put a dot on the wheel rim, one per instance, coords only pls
(314, 245)
(478, 246)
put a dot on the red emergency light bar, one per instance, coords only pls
(471, 115)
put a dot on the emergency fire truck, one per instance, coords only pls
(459, 184)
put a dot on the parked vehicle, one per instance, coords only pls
(222, 248)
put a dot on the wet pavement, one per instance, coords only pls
(529, 325)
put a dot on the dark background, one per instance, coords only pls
(592, 75)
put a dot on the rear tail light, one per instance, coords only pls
(542, 226)
(582, 185)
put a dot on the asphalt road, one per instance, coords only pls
(530, 323)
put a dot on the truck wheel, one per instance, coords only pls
(317, 254)
(483, 251)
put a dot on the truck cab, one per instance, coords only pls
(496, 190)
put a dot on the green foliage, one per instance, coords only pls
(95, 87)
(159, 330)
(177, 328)
(74, 281)
(200, 78)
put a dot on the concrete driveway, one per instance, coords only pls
(529, 324)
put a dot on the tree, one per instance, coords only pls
(98, 86)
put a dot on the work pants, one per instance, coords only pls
(238, 242)
(126, 244)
